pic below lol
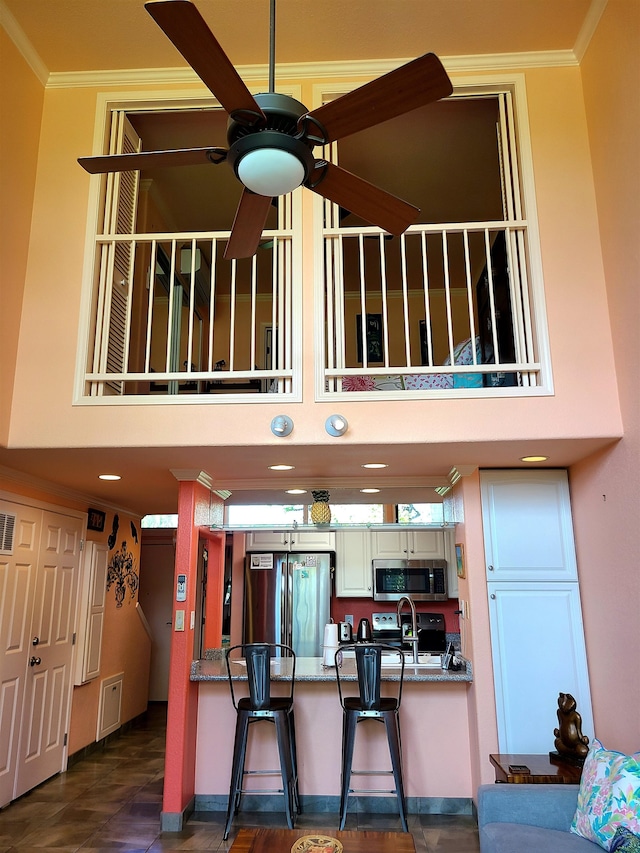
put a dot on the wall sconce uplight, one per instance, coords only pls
(281, 425)
(336, 425)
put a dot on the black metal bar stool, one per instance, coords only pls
(368, 704)
(261, 705)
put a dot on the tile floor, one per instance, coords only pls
(111, 801)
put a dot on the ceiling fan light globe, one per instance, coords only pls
(271, 171)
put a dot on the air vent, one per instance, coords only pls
(7, 530)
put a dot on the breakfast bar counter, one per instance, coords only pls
(434, 719)
(214, 668)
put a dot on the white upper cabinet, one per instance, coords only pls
(527, 526)
(290, 540)
(354, 576)
(407, 544)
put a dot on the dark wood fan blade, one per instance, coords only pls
(364, 199)
(181, 21)
(413, 85)
(248, 225)
(152, 160)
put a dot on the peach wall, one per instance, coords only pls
(605, 489)
(435, 743)
(475, 629)
(581, 350)
(21, 96)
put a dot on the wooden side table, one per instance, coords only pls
(541, 770)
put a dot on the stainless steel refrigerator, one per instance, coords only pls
(287, 599)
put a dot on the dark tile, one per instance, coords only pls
(110, 801)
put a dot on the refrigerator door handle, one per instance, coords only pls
(288, 604)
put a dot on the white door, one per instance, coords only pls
(49, 675)
(538, 652)
(17, 586)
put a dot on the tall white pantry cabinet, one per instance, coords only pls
(537, 636)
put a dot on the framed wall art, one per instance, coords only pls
(460, 560)
(373, 335)
(96, 519)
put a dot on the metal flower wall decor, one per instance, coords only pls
(122, 572)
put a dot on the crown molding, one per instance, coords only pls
(589, 26)
(366, 69)
(193, 475)
(431, 482)
(23, 45)
(55, 490)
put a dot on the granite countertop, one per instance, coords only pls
(213, 668)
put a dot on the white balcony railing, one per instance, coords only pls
(174, 319)
(447, 312)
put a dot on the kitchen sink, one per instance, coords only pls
(424, 659)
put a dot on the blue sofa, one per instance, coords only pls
(533, 818)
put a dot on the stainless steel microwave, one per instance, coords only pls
(423, 580)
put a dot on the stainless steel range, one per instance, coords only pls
(432, 636)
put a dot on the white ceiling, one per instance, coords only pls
(62, 36)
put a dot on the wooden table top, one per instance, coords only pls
(282, 840)
(541, 770)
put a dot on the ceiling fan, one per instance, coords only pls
(271, 137)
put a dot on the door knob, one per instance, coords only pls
(35, 661)
(35, 641)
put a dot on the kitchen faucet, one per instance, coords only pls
(414, 624)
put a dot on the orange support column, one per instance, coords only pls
(196, 505)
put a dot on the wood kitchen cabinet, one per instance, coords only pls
(407, 544)
(290, 540)
(354, 576)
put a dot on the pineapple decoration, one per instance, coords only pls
(320, 509)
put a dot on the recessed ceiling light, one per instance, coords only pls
(369, 491)
(533, 458)
(375, 465)
(296, 491)
(281, 467)
(109, 477)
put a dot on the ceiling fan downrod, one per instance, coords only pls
(272, 45)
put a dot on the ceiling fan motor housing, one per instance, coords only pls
(280, 132)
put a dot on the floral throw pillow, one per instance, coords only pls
(625, 841)
(609, 795)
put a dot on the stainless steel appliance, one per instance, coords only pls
(432, 636)
(364, 631)
(423, 580)
(345, 632)
(287, 600)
